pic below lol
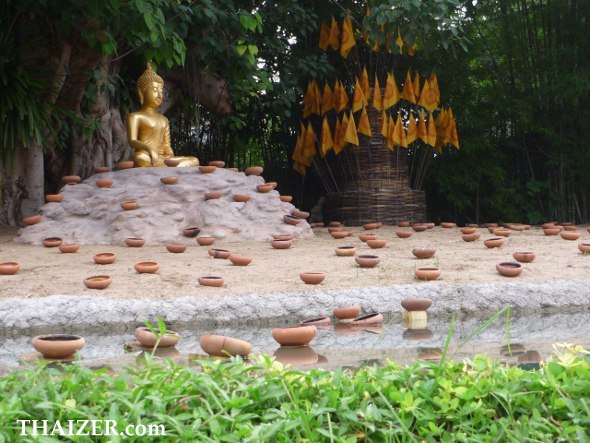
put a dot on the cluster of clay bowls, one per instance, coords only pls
(222, 346)
(149, 340)
(58, 346)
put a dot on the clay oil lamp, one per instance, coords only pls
(524, 257)
(417, 334)
(427, 273)
(171, 162)
(335, 228)
(316, 321)
(222, 346)
(242, 198)
(9, 268)
(240, 260)
(367, 261)
(219, 253)
(170, 180)
(217, 163)
(274, 184)
(376, 243)
(213, 195)
(584, 247)
(312, 278)
(300, 214)
(345, 251)
(32, 220)
(338, 235)
(430, 225)
(104, 183)
(281, 244)
(71, 179)
(373, 318)
(125, 164)
(105, 258)
(448, 225)
(233, 169)
(54, 198)
(129, 205)
(211, 280)
(296, 355)
(282, 236)
(419, 227)
(568, 226)
(295, 336)
(175, 248)
(570, 235)
(52, 242)
(254, 170)
(346, 312)
(423, 252)
(403, 234)
(366, 236)
(58, 346)
(98, 281)
(468, 230)
(134, 242)
(490, 225)
(334, 224)
(149, 340)
(264, 188)
(101, 169)
(286, 198)
(69, 248)
(470, 237)
(207, 169)
(553, 230)
(509, 269)
(191, 232)
(291, 219)
(416, 304)
(371, 226)
(502, 232)
(146, 267)
(494, 242)
(205, 240)
(403, 224)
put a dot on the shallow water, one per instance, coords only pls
(531, 338)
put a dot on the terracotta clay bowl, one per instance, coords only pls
(281, 244)
(207, 169)
(32, 220)
(316, 321)
(423, 252)
(254, 170)
(416, 304)
(312, 278)
(134, 242)
(490, 225)
(57, 346)
(569, 227)
(373, 318)
(347, 312)
(274, 184)
(175, 248)
(191, 232)
(334, 224)
(105, 258)
(213, 195)
(222, 346)
(125, 164)
(217, 163)
(570, 235)
(282, 236)
(335, 229)
(470, 237)
(148, 339)
(266, 187)
(403, 234)
(552, 230)
(71, 179)
(427, 273)
(419, 227)
(366, 236)
(205, 240)
(286, 198)
(448, 225)
(494, 242)
(211, 280)
(468, 230)
(171, 162)
(101, 169)
(240, 260)
(404, 224)
(509, 269)
(219, 253)
(584, 247)
(345, 251)
(291, 219)
(300, 214)
(376, 243)
(371, 226)
(9, 268)
(367, 261)
(295, 336)
(340, 234)
(98, 281)
(52, 242)
(54, 198)
(129, 205)
(242, 198)
(68, 248)
(170, 180)
(524, 257)
(146, 267)
(104, 183)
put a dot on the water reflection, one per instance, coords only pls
(296, 355)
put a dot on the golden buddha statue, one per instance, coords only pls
(148, 132)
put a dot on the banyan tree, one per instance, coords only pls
(368, 136)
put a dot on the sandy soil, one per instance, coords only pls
(47, 271)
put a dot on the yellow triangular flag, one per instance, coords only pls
(422, 131)
(324, 37)
(309, 149)
(427, 97)
(412, 129)
(340, 97)
(358, 101)
(308, 101)
(391, 96)
(299, 167)
(317, 99)
(327, 141)
(364, 124)
(334, 35)
(434, 85)
(431, 131)
(412, 50)
(377, 97)
(327, 98)
(399, 42)
(390, 132)
(347, 37)
(351, 135)
(408, 93)
(399, 133)
(298, 151)
(384, 129)
(416, 86)
(454, 138)
(365, 85)
(338, 137)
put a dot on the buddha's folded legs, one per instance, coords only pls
(187, 161)
(141, 159)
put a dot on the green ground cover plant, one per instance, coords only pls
(473, 400)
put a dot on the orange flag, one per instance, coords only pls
(408, 93)
(384, 129)
(365, 85)
(317, 98)
(412, 50)
(338, 137)
(324, 37)
(327, 98)
(391, 96)
(351, 135)
(434, 85)
(340, 99)
(454, 137)
(308, 101)
(390, 132)
(377, 97)
(422, 131)
(431, 131)
(299, 167)
(358, 101)
(399, 42)
(398, 129)
(347, 37)
(428, 97)
(298, 151)
(309, 149)
(364, 125)
(416, 86)
(327, 141)
(412, 129)
(334, 35)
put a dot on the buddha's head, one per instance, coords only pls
(150, 87)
